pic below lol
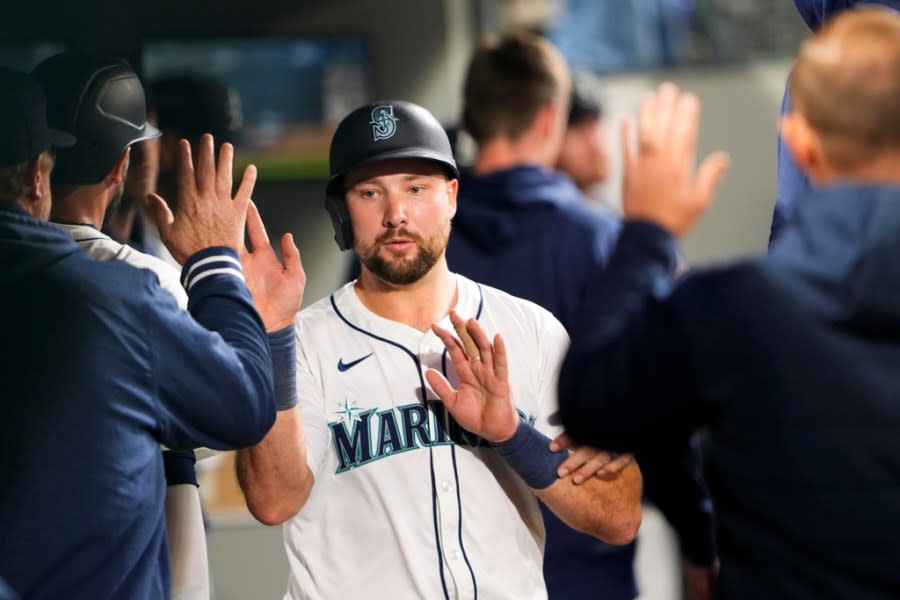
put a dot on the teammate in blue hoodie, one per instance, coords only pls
(101, 367)
(526, 229)
(792, 359)
(792, 182)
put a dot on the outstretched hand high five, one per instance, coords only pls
(483, 403)
(277, 290)
(660, 182)
(206, 214)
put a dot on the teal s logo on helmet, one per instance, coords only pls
(384, 125)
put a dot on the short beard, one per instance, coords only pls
(406, 271)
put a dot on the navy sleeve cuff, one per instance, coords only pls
(208, 262)
(283, 344)
(179, 467)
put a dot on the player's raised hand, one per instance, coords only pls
(661, 182)
(277, 289)
(206, 214)
(585, 462)
(483, 403)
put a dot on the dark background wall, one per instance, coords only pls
(419, 49)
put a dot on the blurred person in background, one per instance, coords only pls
(582, 155)
(790, 360)
(792, 181)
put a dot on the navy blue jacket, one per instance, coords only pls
(528, 231)
(100, 367)
(793, 363)
(792, 182)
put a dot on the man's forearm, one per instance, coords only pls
(608, 508)
(274, 474)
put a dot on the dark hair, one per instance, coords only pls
(509, 80)
(586, 103)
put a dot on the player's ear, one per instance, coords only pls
(452, 192)
(547, 119)
(803, 142)
(120, 169)
(32, 178)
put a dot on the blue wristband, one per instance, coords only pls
(283, 344)
(528, 453)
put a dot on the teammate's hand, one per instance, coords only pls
(660, 183)
(483, 403)
(277, 290)
(206, 215)
(585, 462)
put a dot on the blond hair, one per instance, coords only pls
(846, 83)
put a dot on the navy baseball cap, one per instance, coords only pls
(24, 132)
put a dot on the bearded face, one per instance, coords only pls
(401, 211)
(406, 269)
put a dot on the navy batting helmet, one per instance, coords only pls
(381, 131)
(101, 101)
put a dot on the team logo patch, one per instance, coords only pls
(342, 366)
(384, 124)
(349, 411)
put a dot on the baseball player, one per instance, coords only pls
(412, 466)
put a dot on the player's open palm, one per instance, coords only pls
(206, 215)
(661, 182)
(277, 289)
(482, 404)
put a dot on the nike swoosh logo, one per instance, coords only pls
(342, 366)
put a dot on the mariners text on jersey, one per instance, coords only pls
(361, 437)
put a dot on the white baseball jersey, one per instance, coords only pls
(405, 503)
(185, 532)
(100, 246)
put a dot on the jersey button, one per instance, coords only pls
(445, 485)
(453, 555)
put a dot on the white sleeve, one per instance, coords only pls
(552, 345)
(187, 543)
